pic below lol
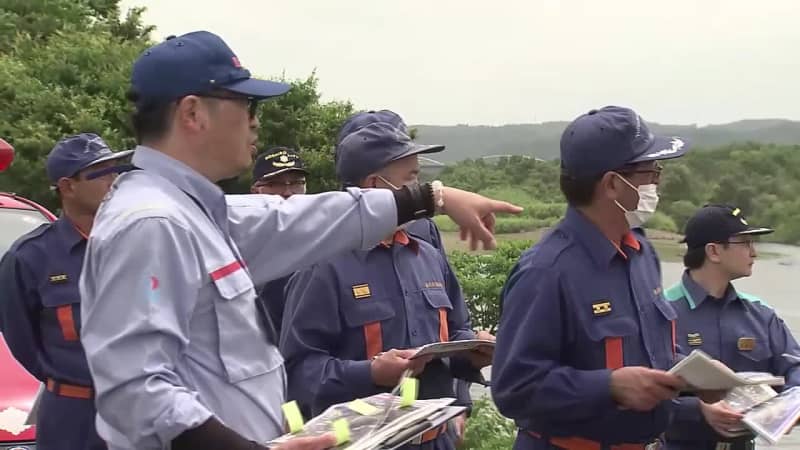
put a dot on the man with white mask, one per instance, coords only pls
(586, 337)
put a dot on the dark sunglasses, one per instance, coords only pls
(252, 103)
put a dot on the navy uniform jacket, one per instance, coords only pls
(342, 312)
(40, 318)
(427, 230)
(741, 331)
(574, 307)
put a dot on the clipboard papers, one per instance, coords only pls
(445, 349)
(402, 425)
(702, 373)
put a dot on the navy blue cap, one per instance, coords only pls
(362, 119)
(374, 146)
(195, 63)
(610, 138)
(718, 223)
(75, 153)
(277, 160)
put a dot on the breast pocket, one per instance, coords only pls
(366, 317)
(754, 350)
(666, 330)
(438, 301)
(613, 337)
(62, 311)
(237, 325)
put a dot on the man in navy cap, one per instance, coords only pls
(351, 323)
(736, 328)
(277, 171)
(191, 366)
(40, 312)
(585, 336)
(424, 229)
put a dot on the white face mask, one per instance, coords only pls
(648, 201)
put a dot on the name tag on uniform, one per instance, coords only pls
(361, 291)
(694, 339)
(434, 284)
(59, 278)
(746, 344)
(601, 308)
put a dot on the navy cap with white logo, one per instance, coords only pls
(610, 138)
(275, 161)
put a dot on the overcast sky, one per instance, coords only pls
(500, 61)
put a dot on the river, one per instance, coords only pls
(771, 281)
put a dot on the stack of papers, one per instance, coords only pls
(702, 373)
(445, 349)
(767, 413)
(370, 427)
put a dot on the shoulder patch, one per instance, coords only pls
(752, 299)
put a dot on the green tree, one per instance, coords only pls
(482, 277)
(63, 70)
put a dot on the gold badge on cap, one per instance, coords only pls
(60, 278)
(601, 308)
(283, 161)
(694, 339)
(746, 344)
(361, 291)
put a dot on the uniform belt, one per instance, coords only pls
(69, 390)
(579, 443)
(429, 435)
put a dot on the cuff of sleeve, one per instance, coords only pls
(378, 213)
(598, 388)
(359, 375)
(186, 413)
(687, 409)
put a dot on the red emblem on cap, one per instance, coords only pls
(236, 62)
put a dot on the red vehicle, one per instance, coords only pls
(17, 387)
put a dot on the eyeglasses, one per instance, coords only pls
(749, 244)
(296, 186)
(655, 172)
(252, 103)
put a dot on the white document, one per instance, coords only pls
(444, 349)
(702, 373)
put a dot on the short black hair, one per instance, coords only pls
(694, 258)
(150, 119)
(578, 191)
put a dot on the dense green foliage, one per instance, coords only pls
(487, 429)
(65, 68)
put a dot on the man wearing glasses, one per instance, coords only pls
(585, 336)
(40, 308)
(177, 353)
(277, 171)
(731, 326)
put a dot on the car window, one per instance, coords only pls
(16, 222)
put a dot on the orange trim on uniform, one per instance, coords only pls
(432, 434)
(69, 390)
(444, 332)
(579, 443)
(614, 352)
(67, 323)
(373, 339)
(629, 240)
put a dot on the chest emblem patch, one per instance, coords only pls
(361, 291)
(746, 344)
(601, 308)
(58, 278)
(694, 339)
